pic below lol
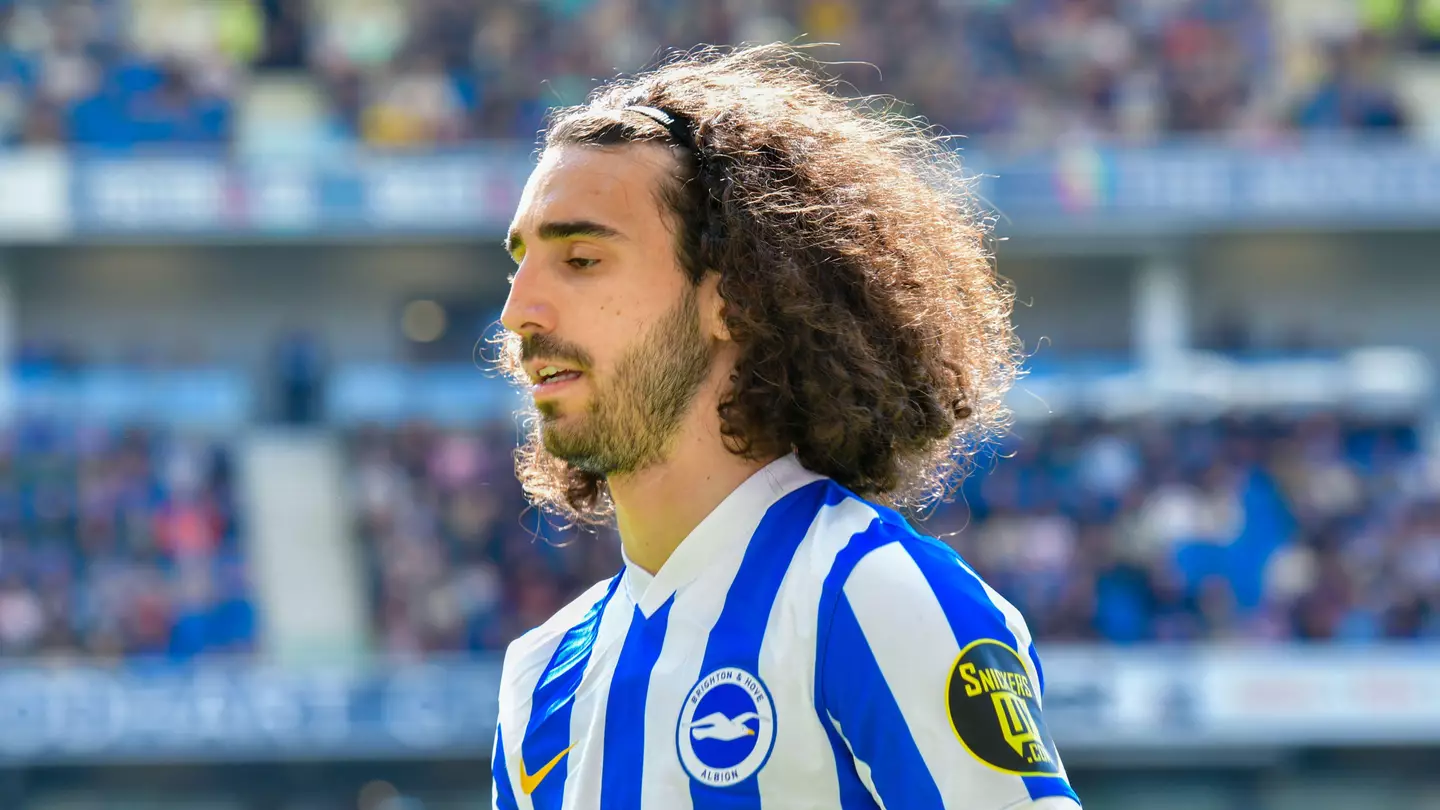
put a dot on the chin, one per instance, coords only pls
(550, 413)
(557, 440)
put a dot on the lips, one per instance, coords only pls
(550, 378)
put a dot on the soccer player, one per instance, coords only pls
(754, 317)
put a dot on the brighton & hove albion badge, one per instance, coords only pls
(726, 728)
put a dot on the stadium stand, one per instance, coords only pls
(1261, 528)
(456, 561)
(119, 541)
(1248, 595)
(112, 74)
(1253, 528)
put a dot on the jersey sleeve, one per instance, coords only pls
(929, 678)
(502, 792)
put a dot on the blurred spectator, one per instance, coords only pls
(1353, 93)
(423, 72)
(300, 368)
(284, 32)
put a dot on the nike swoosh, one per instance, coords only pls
(529, 782)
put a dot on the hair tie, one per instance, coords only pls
(679, 126)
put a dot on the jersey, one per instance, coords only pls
(801, 648)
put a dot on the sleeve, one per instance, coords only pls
(503, 784)
(502, 792)
(928, 676)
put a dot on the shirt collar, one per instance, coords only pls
(730, 524)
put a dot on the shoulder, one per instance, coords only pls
(527, 656)
(887, 566)
(875, 544)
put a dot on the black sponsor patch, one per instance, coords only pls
(995, 711)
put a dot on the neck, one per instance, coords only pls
(657, 507)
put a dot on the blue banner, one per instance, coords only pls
(1175, 189)
(230, 713)
(1167, 700)
(1197, 189)
(352, 195)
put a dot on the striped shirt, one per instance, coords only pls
(802, 648)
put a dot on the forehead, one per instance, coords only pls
(613, 185)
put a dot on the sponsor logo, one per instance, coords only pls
(994, 710)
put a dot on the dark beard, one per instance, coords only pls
(631, 421)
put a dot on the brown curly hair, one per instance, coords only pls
(875, 337)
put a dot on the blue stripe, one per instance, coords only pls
(735, 640)
(853, 793)
(876, 729)
(504, 793)
(833, 590)
(1039, 670)
(973, 616)
(548, 732)
(624, 763)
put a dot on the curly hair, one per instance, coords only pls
(874, 336)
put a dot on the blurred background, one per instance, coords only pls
(260, 543)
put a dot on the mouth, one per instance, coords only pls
(551, 378)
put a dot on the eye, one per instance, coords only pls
(580, 263)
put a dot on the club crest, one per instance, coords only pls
(726, 728)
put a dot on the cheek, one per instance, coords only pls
(618, 340)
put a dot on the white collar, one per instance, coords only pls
(732, 522)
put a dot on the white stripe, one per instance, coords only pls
(697, 606)
(915, 652)
(586, 760)
(787, 660)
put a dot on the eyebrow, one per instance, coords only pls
(550, 231)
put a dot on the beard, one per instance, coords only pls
(634, 414)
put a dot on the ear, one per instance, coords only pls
(712, 307)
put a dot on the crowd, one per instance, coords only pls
(118, 542)
(457, 561)
(1311, 528)
(126, 541)
(396, 73)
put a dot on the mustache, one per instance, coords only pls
(549, 347)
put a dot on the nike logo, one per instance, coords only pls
(528, 782)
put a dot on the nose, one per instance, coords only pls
(528, 308)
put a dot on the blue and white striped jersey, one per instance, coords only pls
(802, 648)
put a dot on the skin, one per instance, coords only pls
(618, 306)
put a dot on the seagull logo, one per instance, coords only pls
(716, 726)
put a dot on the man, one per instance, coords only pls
(744, 307)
